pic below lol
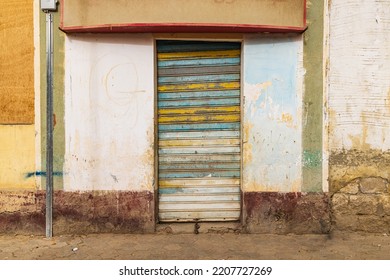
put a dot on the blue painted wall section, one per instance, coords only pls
(272, 118)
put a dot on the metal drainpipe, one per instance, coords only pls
(49, 125)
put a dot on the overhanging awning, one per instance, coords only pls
(183, 16)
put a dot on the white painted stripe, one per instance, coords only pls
(194, 206)
(199, 143)
(200, 158)
(199, 150)
(199, 182)
(203, 197)
(225, 215)
(201, 190)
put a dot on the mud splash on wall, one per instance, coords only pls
(78, 212)
(282, 213)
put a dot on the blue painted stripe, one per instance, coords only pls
(168, 190)
(194, 174)
(198, 127)
(43, 174)
(187, 46)
(232, 134)
(201, 79)
(197, 62)
(198, 94)
(199, 102)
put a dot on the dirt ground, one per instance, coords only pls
(210, 246)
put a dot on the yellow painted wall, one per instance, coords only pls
(17, 132)
(17, 155)
(16, 62)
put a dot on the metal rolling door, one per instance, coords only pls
(199, 130)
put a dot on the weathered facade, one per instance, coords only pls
(358, 94)
(275, 122)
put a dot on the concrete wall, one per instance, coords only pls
(109, 113)
(272, 94)
(290, 187)
(359, 115)
(104, 159)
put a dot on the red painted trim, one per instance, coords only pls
(304, 13)
(180, 28)
(61, 13)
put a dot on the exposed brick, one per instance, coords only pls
(373, 223)
(365, 223)
(351, 188)
(345, 222)
(340, 203)
(373, 185)
(363, 204)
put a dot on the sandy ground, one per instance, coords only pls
(211, 246)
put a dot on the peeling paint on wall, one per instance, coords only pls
(272, 113)
(359, 90)
(109, 113)
(17, 150)
(359, 75)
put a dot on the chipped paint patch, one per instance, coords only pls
(358, 77)
(247, 146)
(312, 159)
(288, 119)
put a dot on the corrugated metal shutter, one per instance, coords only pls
(199, 130)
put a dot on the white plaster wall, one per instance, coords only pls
(359, 77)
(109, 112)
(272, 91)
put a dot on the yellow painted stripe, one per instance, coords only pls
(170, 111)
(202, 54)
(199, 143)
(198, 182)
(199, 118)
(202, 86)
